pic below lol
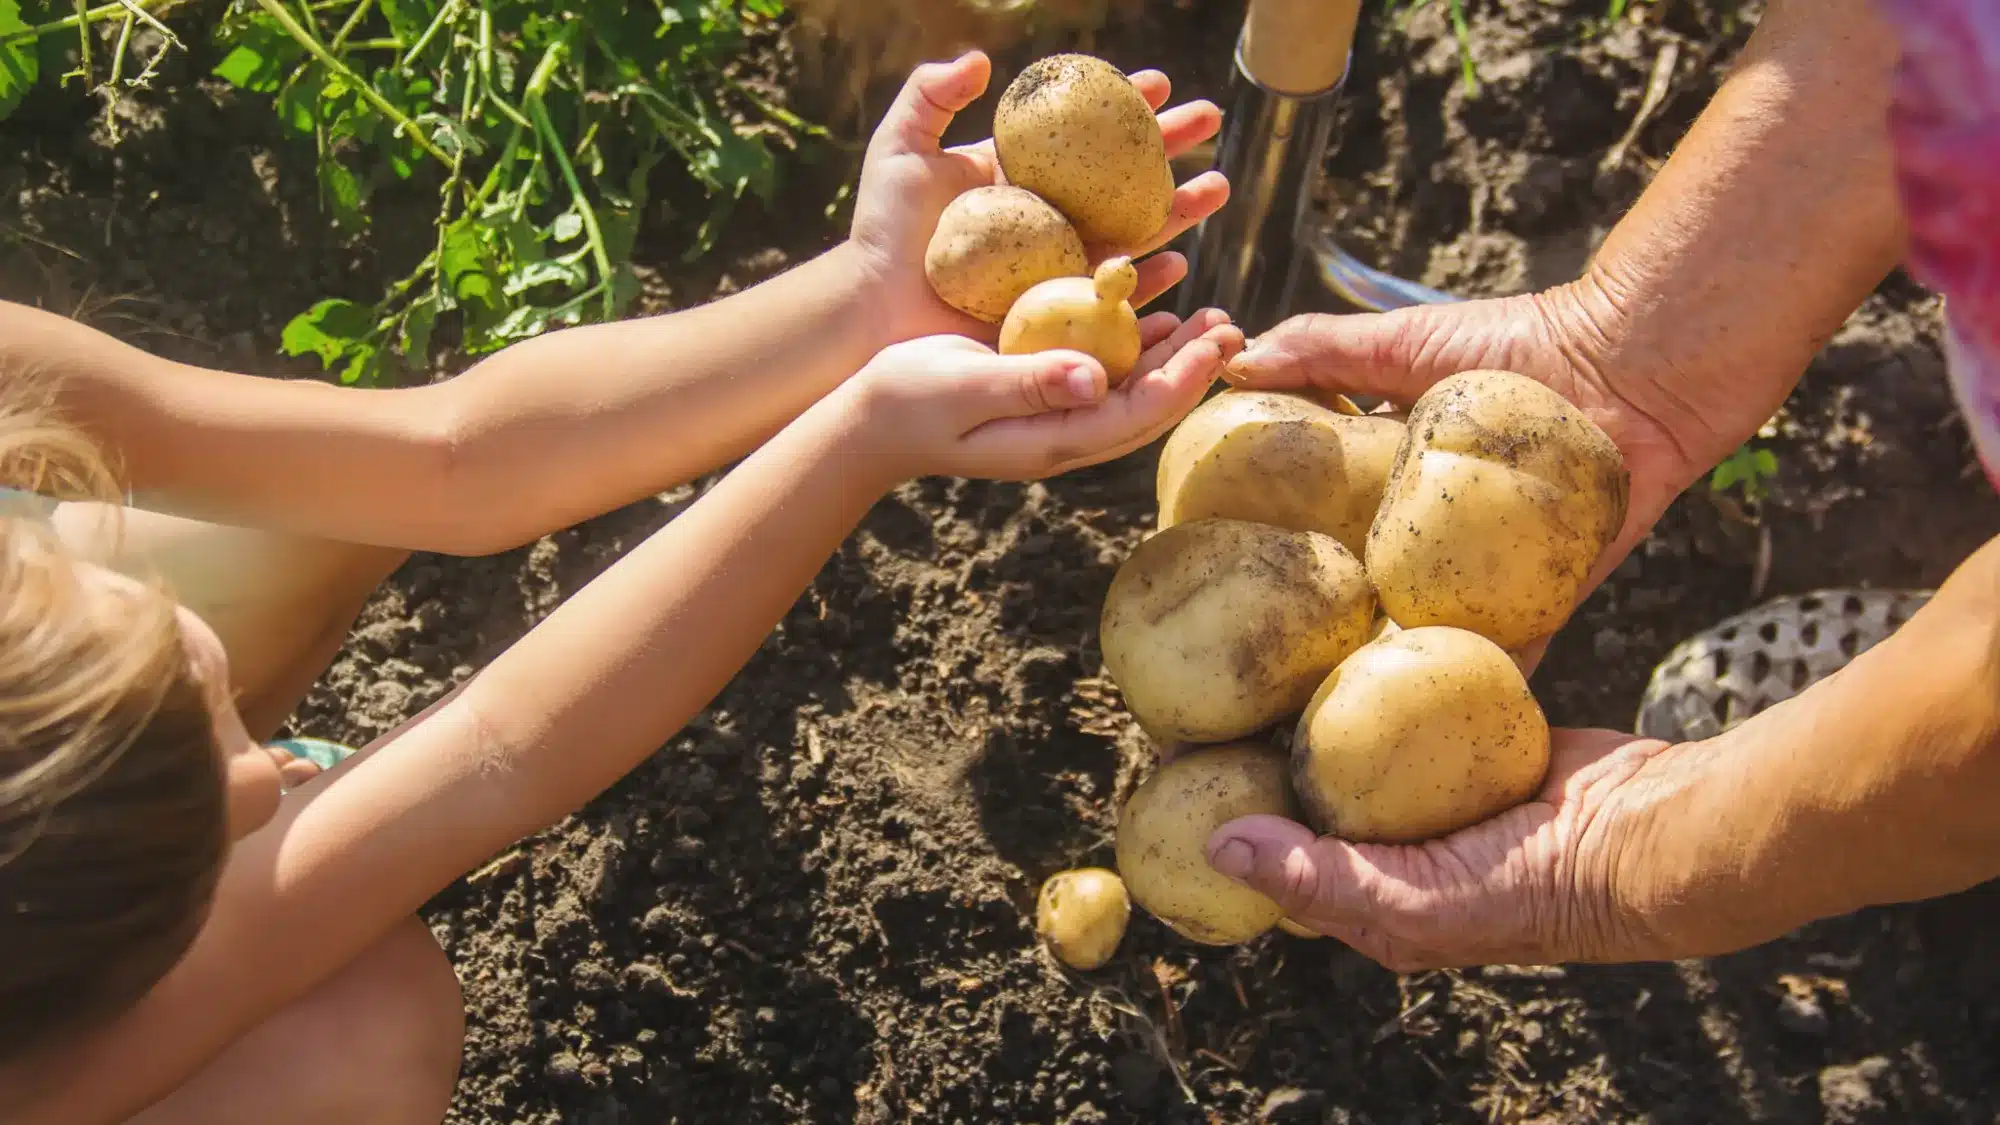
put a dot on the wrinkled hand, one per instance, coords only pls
(1533, 886)
(948, 405)
(1672, 425)
(908, 178)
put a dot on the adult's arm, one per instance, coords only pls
(1875, 786)
(1771, 222)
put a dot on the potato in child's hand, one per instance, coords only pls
(1074, 130)
(1093, 315)
(995, 243)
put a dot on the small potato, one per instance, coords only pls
(1163, 836)
(1092, 315)
(1281, 459)
(1074, 130)
(1081, 915)
(1417, 735)
(993, 244)
(1215, 629)
(1497, 508)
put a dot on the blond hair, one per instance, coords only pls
(113, 820)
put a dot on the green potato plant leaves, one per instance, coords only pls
(538, 124)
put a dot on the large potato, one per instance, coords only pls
(1497, 508)
(1075, 131)
(1418, 734)
(1215, 629)
(993, 244)
(1163, 836)
(1281, 459)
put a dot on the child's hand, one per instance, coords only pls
(950, 406)
(908, 179)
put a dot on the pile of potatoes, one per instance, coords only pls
(1086, 167)
(1359, 582)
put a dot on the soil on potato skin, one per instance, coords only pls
(814, 904)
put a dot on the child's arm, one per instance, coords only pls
(601, 684)
(566, 426)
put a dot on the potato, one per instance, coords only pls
(1280, 459)
(1215, 629)
(1092, 315)
(1497, 508)
(1081, 916)
(1074, 130)
(1163, 836)
(993, 244)
(1417, 735)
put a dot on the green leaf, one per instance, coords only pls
(555, 271)
(567, 226)
(415, 341)
(20, 62)
(364, 366)
(331, 330)
(343, 193)
(260, 54)
(468, 270)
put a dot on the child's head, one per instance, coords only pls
(124, 769)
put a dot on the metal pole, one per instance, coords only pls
(1292, 57)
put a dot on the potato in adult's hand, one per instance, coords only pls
(1496, 510)
(1215, 629)
(1163, 835)
(1420, 733)
(1282, 459)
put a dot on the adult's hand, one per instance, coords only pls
(1765, 231)
(1535, 885)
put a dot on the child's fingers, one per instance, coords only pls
(1193, 201)
(1150, 404)
(1189, 124)
(1153, 85)
(934, 94)
(1016, 386)
(1156, 327)
(1159, 353)
(1158, 274)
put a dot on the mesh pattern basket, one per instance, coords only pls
(1744, 664)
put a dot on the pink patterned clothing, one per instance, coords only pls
(1945, 126)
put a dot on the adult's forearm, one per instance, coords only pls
(1772, 221)
(1874, 786)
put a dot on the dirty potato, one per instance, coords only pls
(1163, 836)
(1281, 459)
(1215, 629)
(1074, 130)
(1417, 735)
(1497, 508)
(1081, 915)
(993, 244)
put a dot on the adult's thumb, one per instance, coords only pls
(1282, 859)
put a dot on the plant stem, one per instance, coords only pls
(367, 91)
(81, 19)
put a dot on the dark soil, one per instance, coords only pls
(814, 904)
